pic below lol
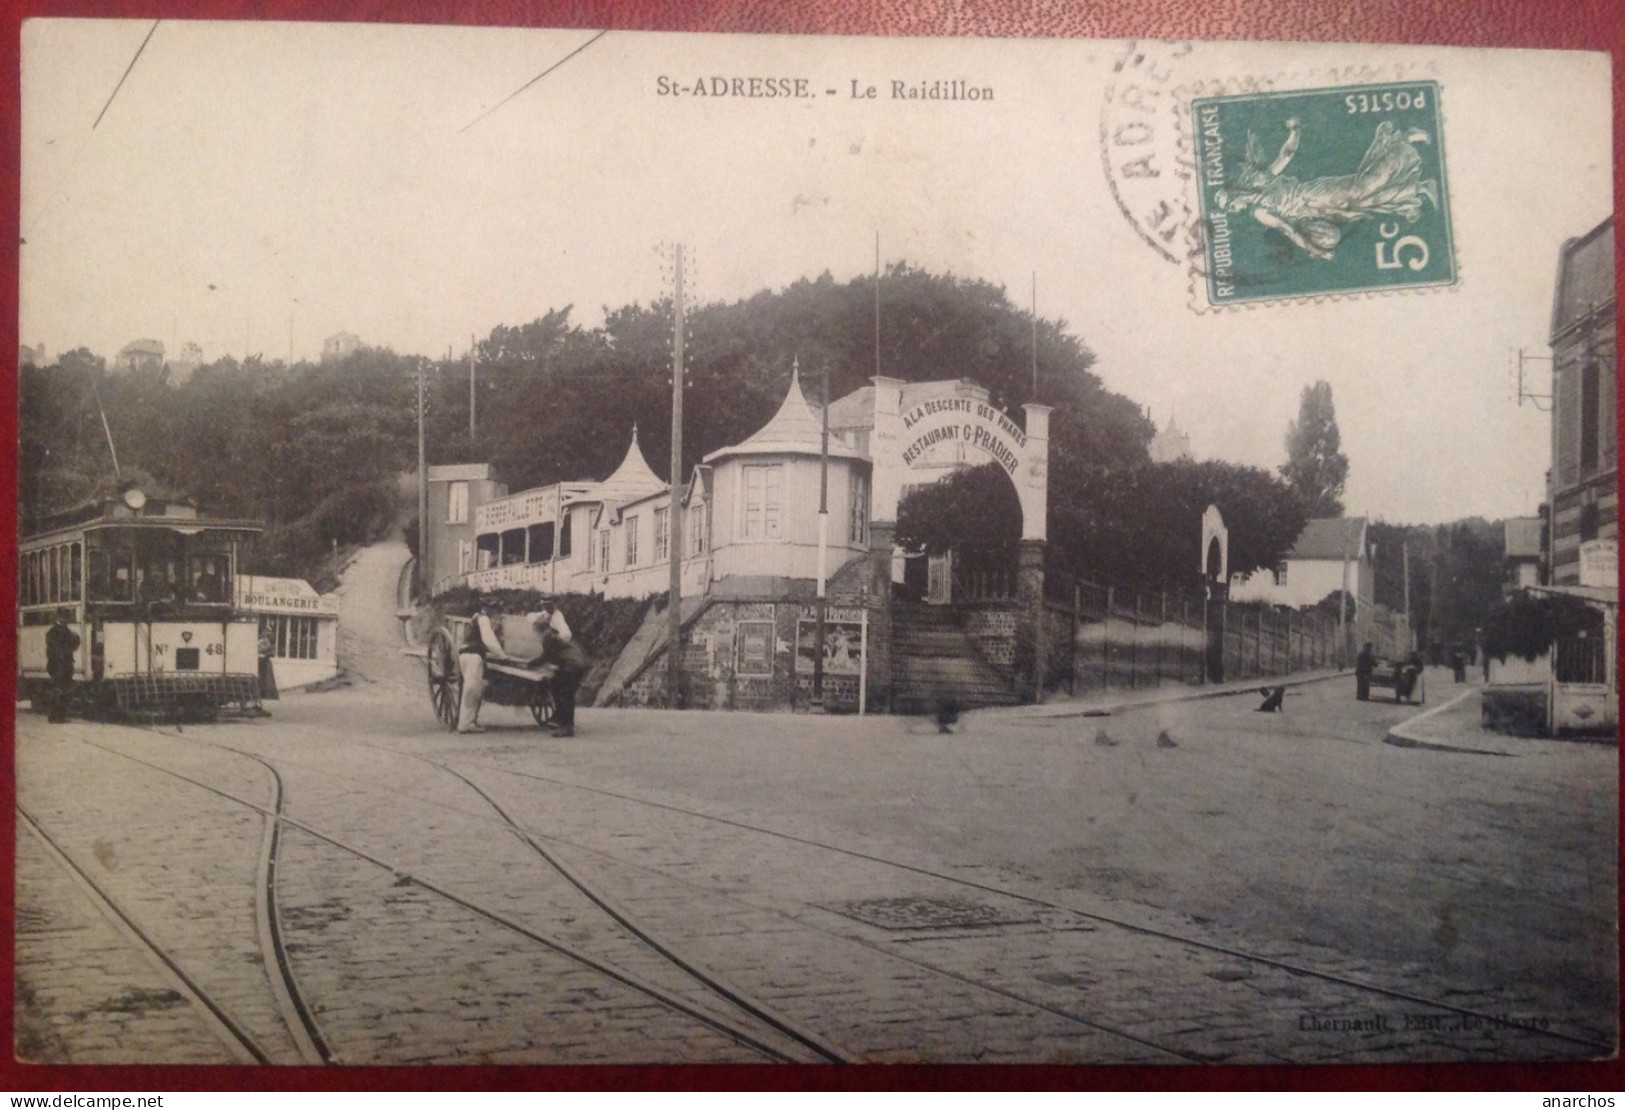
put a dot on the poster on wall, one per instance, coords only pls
(843, 642)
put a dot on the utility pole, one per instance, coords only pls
(877, 304)
(1342, 615)
(1410, 630)
(674, 527)
(1433, 591)
(823, 551)
(423, 495)
(471, 393)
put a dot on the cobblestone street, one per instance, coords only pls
(1039, 886)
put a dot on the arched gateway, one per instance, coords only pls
(924, 431)
(919, 432)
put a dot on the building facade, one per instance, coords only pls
(751, 546)
(140, 354)
(453, 493)
(1524, 553)
(1329, 555)
(339, 345)
(299, 626)
(1583, 495)
(1170, 445)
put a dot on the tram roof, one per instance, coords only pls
(186, 526)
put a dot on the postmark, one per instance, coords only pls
(1145, 143)
(1322, 191)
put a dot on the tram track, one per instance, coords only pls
(818, 1047)
(310, 1045)
(1229, 951)
(303, 1026)
(242, 1044)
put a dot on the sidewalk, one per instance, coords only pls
(1103, 703)
(1453, 726)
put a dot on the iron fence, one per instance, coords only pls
(1127, 639)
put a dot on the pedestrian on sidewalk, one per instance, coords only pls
(1405, 681)
(267, 648)
(561, 651)
(60, 644)
(1364, 664)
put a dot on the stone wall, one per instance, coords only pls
(741, 654)
(994, 627)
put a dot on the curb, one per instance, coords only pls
(1200, 693)
(1400, 737)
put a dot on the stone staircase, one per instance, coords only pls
(934, 661)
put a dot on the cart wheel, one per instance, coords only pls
(445, 680)
(541, 703)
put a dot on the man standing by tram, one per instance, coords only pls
(61, 642)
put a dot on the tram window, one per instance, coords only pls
(109, 567)
(155, 581)
(541, 542)
(205, 581)
(100, 586)
(76, 571)
(51, 574)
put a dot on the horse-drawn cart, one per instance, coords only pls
(1404, 677)
(507, 681)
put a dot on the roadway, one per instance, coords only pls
(1179, 882)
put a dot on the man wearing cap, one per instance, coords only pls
(479, 641)
(559, 649)
(60, 644)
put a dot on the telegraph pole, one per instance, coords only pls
(1410, 630)
(423, 493)
(471, 392)
(1035, 335)
(674, 520)
(877, 303)
(823, 551)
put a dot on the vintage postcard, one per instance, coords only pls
(564, 547)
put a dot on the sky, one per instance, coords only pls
(255, 188)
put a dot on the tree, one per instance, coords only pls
(1315, 467)
(971, 509)
(308, 448)
(1136, 525)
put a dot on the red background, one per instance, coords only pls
(1553, 24)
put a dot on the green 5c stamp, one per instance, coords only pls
(1320, 192)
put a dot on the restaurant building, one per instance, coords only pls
(754, 550)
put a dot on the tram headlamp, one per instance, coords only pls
(134, 498)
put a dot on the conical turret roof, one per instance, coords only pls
(794, 430)
(633, 479)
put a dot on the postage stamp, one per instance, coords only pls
(1325, 191)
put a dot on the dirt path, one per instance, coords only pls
(370, 639)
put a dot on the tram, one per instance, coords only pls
(149, 586)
